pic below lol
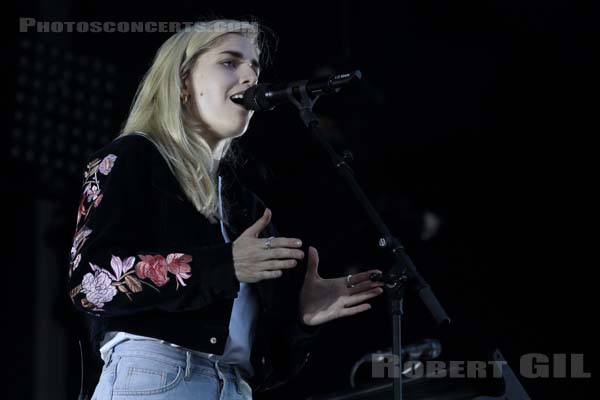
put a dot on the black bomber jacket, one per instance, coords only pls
(145, 261)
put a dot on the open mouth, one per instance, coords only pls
(237, 98)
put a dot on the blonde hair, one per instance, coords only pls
(158, 110)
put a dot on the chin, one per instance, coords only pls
(240, 131)
(232, 134)
(234, 130)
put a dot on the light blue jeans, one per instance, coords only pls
(155, 371)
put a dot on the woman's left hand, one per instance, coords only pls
(323, 300)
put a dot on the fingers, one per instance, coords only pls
(286, 242)
(363, 286)
(313, 262)
(362, 297)
(278, 264)
(363, 276)
(255, 261)
(269, 274)
(346, 312)
(280, 253)
(259, 225)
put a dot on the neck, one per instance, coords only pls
(217, 146)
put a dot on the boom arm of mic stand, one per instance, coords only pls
(403, 272)
(403, 265)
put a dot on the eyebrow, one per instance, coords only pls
(239, 55)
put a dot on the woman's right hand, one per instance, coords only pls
(254, 260)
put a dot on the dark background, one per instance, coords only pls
(478, 115)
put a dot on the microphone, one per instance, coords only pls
(265, 96)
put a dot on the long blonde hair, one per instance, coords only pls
(159, 112)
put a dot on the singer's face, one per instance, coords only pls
(229, 68)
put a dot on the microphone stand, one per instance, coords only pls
(403, 273)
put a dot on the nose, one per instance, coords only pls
(247, 74)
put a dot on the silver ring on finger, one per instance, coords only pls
(268, 242)
(348, 284)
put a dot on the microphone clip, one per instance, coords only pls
(305, 103)
(390, 280)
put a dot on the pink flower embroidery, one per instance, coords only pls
(178, 265)
(154, 268)
(107, 163)
(98, 287)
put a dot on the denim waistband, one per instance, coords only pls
(192, 361)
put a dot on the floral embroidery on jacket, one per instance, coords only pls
(178, 265)
(102, 285)
(98, 289)
(153, 268)
(107, 164)
(156, 267)
(125, 275)
(91, 198)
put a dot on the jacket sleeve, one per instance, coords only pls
(117, 266)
